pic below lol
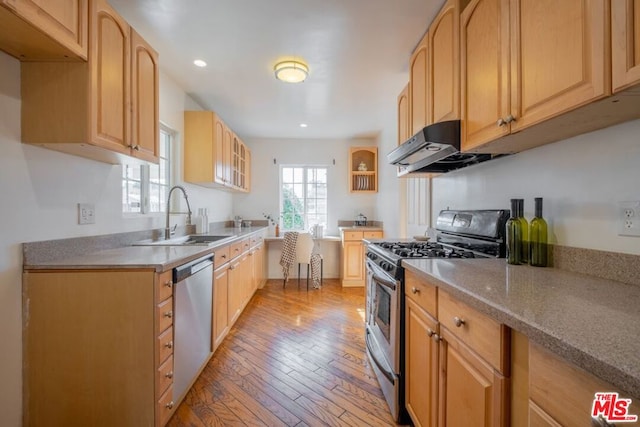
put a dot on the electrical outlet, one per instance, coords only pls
(629, 218)
(86, 213)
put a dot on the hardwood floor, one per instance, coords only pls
(294, 358)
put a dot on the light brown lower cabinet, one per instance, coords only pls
(98, 348)
(457, 365)
(239, 270)
(472, 392)
(561, 394)
(220, 314)
(421, 366)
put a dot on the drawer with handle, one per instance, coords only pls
(479, 332)
(221, 256)
(352, 235)
(164, 376)
(164, 343)
(165, 406)
(164, 314)
(422, 293)
(164, 286)
(373, 234)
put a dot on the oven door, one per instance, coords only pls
(383, 311)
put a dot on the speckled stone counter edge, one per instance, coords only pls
(35, 253)
(605, 265)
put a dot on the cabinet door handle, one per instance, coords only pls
(436, 338)
(510, 118)
(168, 283)
(430, 332)
(168, 314)
(458, 321)
(136, 147)
(501, 122)
(415, 290)
(169, 375)
(169, 344)
(169, 405)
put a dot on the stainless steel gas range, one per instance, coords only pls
(460, 235)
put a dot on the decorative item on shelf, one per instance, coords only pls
(362, 167)
(292, 71)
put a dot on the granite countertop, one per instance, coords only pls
(159, 258)
(359, 228)
(593, 323)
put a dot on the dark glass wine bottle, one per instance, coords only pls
(525, 231)
(538, 237)
(514, 235)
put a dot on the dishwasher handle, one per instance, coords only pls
(189, 269)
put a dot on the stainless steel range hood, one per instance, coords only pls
(435, 149)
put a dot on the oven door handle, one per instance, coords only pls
(383, 369)
(385, 282)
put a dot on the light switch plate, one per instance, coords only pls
(86, 213)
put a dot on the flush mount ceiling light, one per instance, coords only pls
(199, 63)
(291, 71)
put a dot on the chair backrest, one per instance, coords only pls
(304, 248)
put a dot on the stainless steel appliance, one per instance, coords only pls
(192, 323)
(435, 148)
(460, 234)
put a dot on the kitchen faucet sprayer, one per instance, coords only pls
(167, 229)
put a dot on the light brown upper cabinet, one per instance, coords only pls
(101, 109)
(524, 62)
(403, 115)
(214, 156)
(625, 43)
(418, 87)
(144, 98)
(44, 30)
(443, 82)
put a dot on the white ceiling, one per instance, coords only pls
(357, 51)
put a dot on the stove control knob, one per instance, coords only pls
(388, 267)
(372, 256)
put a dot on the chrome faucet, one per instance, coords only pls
(167, 229)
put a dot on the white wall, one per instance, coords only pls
(581, 180)
(40, 189)
(264, 194)
(391, 201)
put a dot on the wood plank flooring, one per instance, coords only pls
(294, 358)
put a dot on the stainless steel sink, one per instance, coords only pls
(189, 240)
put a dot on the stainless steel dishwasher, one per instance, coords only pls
(193, 295)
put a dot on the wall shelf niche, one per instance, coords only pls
(363, 169)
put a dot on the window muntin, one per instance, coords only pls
(303, 197)
(145, 187)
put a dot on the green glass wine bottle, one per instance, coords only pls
(525, 232)
(538, 237)
(514, 235)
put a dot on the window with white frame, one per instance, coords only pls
(145, 187)
(303, 197)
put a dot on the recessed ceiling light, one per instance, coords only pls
(199, 63)
(303, 125)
